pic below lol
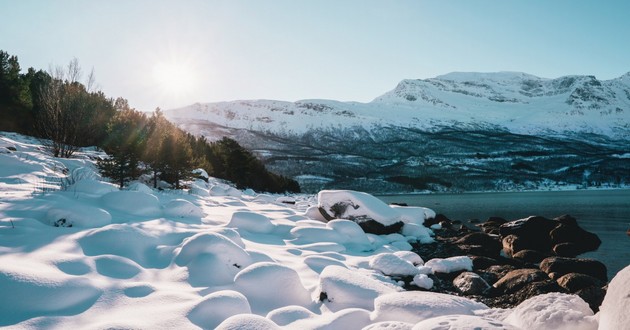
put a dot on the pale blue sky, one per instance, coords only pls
(349, 50)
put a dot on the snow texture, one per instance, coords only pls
(450, 265)
(554, 311)
(614, 310)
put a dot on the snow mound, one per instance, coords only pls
(391, 264)
(462, 322)
(29, 293)
(556, 311)
(91, 188)
(116, 267)
(252, 222)
(354, 236)
(73, 214)
(414, 214)
(313, 213)
(412, 257)
(139, 186)
(415, 306)
(344, 288)
(423, 281)
(247, 321)
(289, 314)
(181, 208)
(211, 259)
(224, 190)
(132, 202)
(218, 306)
(389, 325)
(450, 265)
(125, 241)
(614, 310)
(269, 285)
(304, 235)
(354, 205)
(419, 231)
(319, 262)
(349, 318)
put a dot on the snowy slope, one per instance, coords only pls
(216, 257)
(518, 102)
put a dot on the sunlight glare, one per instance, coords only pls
(174, 79)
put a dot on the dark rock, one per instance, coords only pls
(567, 250)
(470, 283)
(583, 240)
(474, 221)
(517, 279)
(377, 228)
(11, 148)
(530, 256)
(481, 262)
(593, 295)
(574, 282)
(567, 220)
(513, 244)
(398, 204)
(438, 219)
(533, 232)
(479, 244)
(497, 220)
(493, 273)
(559, 266)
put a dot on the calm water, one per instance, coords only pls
(604, 212)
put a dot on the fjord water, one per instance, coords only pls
(604, 212)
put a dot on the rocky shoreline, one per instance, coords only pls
(515, 260)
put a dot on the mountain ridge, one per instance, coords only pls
(293, 138)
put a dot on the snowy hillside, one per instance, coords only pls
(458, 132)
(78, 253)
(517, 102)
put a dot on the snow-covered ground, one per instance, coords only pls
(90, 256)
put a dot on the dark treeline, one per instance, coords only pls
(67, 114)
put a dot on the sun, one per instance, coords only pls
(174, 79)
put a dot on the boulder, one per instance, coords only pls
(517, 279)
(512, 244)
(481, 262)
(489, 245)
(530, 256)
(556, 267)
(470, 283)
(583, 241)
(574, 282)
(593, 295)
(533, 232)
(377, 228)
(566, 219)
(493, 273)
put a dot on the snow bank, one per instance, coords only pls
(247, 321)
(289, 314)
(72, 214)
(252, 222)
(462, 322)
(139, 186)
(415, 306)
(420, 232)
(181, 208)
(211, 259)
(614, 310)
(556, 311)
(218, 306)
(450, 265)
(348, 204)
(269, 285)
(132, 202)
(91, 188)
(125, 241)
(35, 291)
(389, 325)
(345, 288)
(391, 264)
(304, 235)
(423, 281)
(349, 318)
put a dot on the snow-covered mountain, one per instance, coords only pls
(456, 121)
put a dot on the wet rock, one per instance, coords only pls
(593, 295)
(530, 256)
(567, 250)
(493, 273)
(481, 262)
(470, 283)
(512, 244)
(556, 267)
(573, 282)
(533, 232)
(582, 240)
(439, 218)
(377, 228)
(566, 219)
(517, 279)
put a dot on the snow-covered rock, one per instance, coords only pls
(415, 306)
(252, 222)
(614, 310)
(132, 202)
(218, 306)
(557, 311)
(391, 264)
(450, 265)
(91, 188)
(247, 321)
(358, 206)
(72, 214)
(181, 208)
